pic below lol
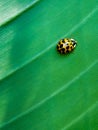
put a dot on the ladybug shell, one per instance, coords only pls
(66, 45)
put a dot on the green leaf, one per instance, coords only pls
(39, 88)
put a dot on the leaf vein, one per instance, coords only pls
(64, 87)
(80, 116)
(19, 13)
(52, 45)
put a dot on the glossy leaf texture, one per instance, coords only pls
(39, 88)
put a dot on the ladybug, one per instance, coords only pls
(66, 45)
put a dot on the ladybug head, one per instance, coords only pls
(74, 42)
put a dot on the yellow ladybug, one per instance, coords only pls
(66, 45)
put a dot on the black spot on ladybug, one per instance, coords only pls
(67, 47)
(57, 47)
(63, 40)
(63, 49)
(67, 51)
(59, 51)
(61, 45)
(68, 40)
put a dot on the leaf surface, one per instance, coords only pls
(40, 89)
